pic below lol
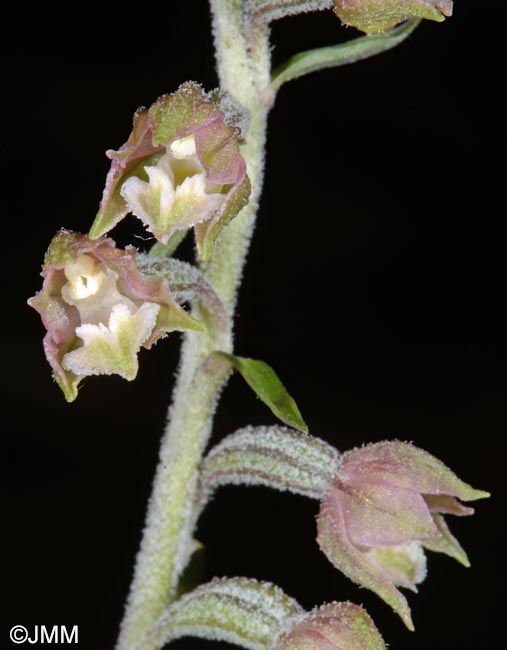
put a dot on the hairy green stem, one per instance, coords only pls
(167, 539)
(243, 61)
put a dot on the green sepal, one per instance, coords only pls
(206, 233)
(378, 16)
(266, 384)
(447, 543)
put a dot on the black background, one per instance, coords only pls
(375, 287)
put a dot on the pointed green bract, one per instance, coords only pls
(266, 384)
(342, 54)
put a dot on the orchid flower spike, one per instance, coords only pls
(378, 16)
(180, 168)
(99, 310)
(382, 508)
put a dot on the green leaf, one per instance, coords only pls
(264, 381)
(342, 54)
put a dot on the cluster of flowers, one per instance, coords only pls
(381, 505)
(181, 168)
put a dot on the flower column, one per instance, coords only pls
(167, 541)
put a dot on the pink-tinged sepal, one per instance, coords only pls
(99, 310)
(124, 162)
(333, 626)
(378, 16)
(446, 543)
(67, 381)
(447, 505)
(353, 560)
(380, 515)
(403, 465)
(180, 168)
(383, 506)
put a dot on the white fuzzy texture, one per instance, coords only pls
(188, 284)
(241, 611)
(270, 10)
(276, 457)
(235, 114)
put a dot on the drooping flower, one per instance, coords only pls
(377, 16)
(181, 167)
(99, 310)
(382, 508)
(334, 626)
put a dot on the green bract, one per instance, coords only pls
(266, 384)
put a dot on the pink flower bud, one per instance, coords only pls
(99, 310)
(336, 626)
(180, 168)
(377, 16)
(383, 506)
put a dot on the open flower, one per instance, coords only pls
(334, 626)
(382, 508)
(377, 16)
(99, 310)
(181, 167)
